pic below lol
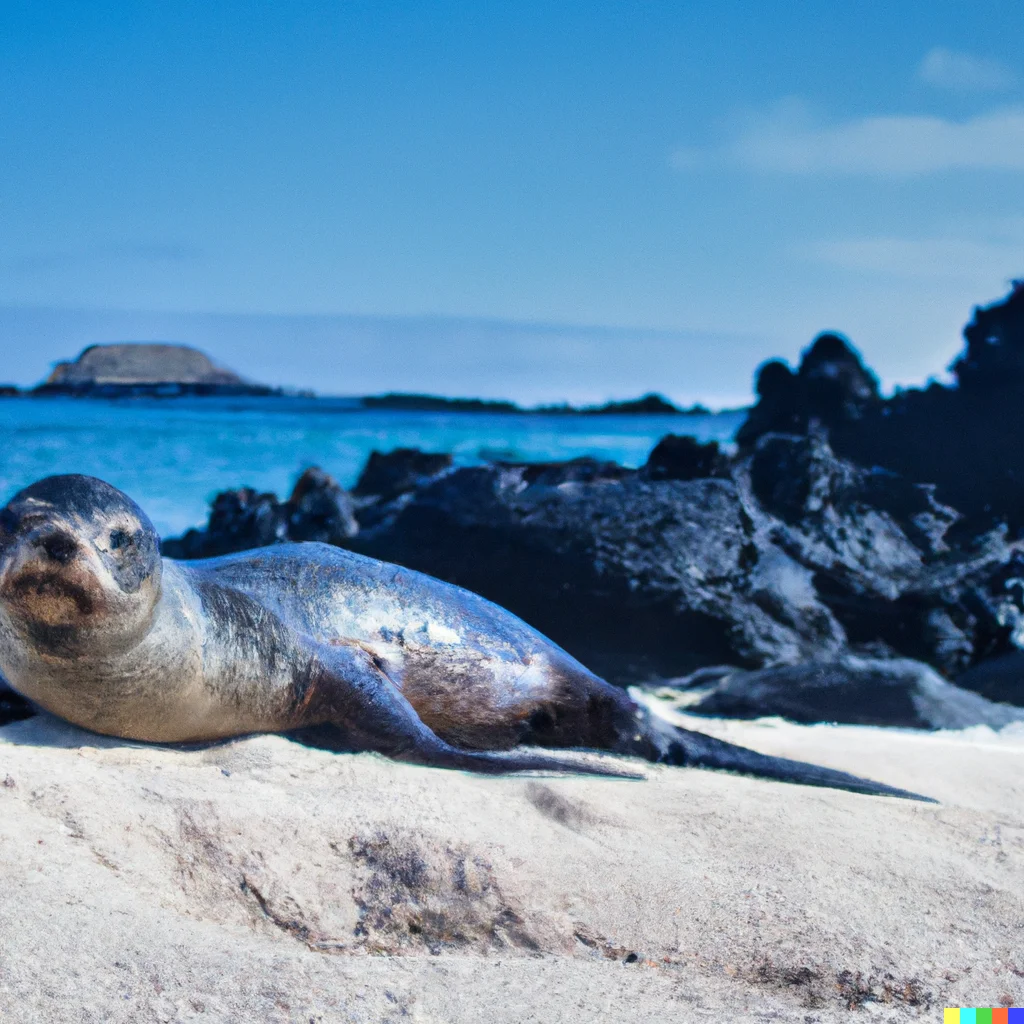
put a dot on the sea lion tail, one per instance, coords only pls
(431, 751)
(684, 747)
(497, 763)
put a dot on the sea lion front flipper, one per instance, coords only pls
(685, 747)
(348, 686)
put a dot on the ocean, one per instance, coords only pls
(173, 455)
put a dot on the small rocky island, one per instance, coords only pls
(143, 368)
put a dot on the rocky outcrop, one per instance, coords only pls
(387, 475)
(849, 690)
(139, 368)
(318, 509)
(831, 387)
(962, 439)
(791, 554)
(680, 457)
(785, 555)
(1000, 678)
(633, 576)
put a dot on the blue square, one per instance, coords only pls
(1016, 1015)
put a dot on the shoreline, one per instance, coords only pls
(382, 403)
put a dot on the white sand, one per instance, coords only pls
(261, 881)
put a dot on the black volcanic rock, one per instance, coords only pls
(786, 555)
(318, 509)
(1000, 678)
(639, 579)
(802, 482)
(884, 555)
(850, 690)
(790, 554)
(389, 474)
(864, 532)
(831, 387)
(993, 361)
(965, 439)
(239, 520)
(680, 457)
(583, 470)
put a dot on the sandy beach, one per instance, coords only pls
(262, 880)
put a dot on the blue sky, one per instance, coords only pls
(540, 200)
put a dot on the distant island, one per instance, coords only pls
(169, 370)
(650, 404)
(435, 403)
(143, 368)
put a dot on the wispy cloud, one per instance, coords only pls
(788, 140)
(988, 253)
(158, 252)
(964, 72)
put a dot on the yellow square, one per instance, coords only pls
(951, 1015)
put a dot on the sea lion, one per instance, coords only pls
(99, 629)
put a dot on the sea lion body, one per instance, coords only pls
(222, 656)
(96, 627)
(477, 675)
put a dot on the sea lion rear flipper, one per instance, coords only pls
(349, 686)
(685, 747)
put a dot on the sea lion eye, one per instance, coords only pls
(119, 539)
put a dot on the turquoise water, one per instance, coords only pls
(173, 455)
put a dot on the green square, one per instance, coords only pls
(983, 1015)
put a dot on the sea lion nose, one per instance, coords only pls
(59, 546)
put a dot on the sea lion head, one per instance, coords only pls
(79, 566)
